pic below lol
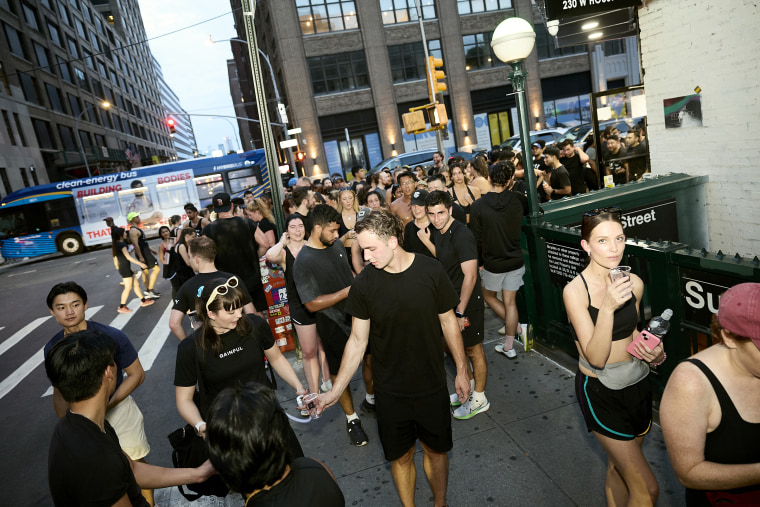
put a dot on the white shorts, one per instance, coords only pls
(127, 422)
(497, 282)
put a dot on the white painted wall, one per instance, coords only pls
(714, 45)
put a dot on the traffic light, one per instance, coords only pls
(435, 77)
(300, 156)
(171, 124)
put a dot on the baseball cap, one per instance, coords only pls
(362, 214)
(222, 202)
(539, 144)
(108, 219)
(419, 197)
(132, 215)
(292, 182)
(739, 311)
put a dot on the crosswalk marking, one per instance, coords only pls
(33, 362)
(19, 335)
(152, 346)
(122, 318)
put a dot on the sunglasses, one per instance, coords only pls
(221, 290)
(614, 210)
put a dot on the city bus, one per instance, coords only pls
(67, 216)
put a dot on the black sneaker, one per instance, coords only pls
(367, 406)
(356, 433)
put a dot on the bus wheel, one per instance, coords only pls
(70, 244)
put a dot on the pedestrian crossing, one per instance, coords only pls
(147, 353)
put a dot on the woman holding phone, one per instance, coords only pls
(612, 386)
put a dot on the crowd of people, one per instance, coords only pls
(435, 245)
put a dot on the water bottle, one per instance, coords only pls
(659, 326)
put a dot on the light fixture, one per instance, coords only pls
(466, 133)
(314, 161)
(590, 25)
(595, 35)
(393, 146)
(552, 26)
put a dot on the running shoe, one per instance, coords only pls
(511, 354)
(454, 400)
(326, 386)
(503, 330)
(152, 294)
(367, 406)
(471, 408)
(356, 433)
(147, 302)
(124, 309)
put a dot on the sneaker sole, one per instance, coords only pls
(472, 414)
(504, 352)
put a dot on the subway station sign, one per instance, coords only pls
(561, 9)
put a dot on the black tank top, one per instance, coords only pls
(624, 321)
(465, 208)
(733, 442)
(294, 301)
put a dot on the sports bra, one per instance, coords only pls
(454, 195)
(625, 319)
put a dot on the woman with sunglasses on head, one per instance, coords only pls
(612, 386)
(227, 350)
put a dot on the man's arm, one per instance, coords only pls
(175, 324)
(453, 337)
(154, 477)
(581, 154)
(353, 354)
(327, 300)
(135, 377)
(470, 270)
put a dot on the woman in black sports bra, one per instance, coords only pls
(710, 411)
(612, 386)
(462, 193)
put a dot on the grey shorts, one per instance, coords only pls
(497, 282)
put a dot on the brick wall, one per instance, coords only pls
(714, 45)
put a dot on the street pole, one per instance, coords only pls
(518, 77)
(273, 166)
(430, 72)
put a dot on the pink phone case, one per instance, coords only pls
(644, 337)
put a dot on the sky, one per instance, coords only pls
(195, 69)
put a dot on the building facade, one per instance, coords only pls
(183, 139)
(349, 69)
(60, 63)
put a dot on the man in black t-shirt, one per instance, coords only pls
(323, 279)
(573, 159)
(457, 250)
(400, 303)
(202, 252)
(237, 249)
(86, 465)
(636, 166)
(617, 168)
(559, 184)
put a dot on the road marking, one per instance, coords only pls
(24, 273)
(1, 328)
(33, 362)
(21, 334)
(152, 346)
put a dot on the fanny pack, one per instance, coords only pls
(620, 375)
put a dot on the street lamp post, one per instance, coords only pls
(104, 105)
(512, 42)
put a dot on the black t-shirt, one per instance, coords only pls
(86, 466)
(575, 172)
(124, 264)
(192, 289)
(236, 249)
(637, 166)
(455, 246)
(539, 165)
(319, 271)
(405, 332)
(240, 361)
(307, 483)
(617, 168)
(413, 243)
(496, 223)
(559, 180)
(265, 225)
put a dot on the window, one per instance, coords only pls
(207, 186)
(54, 35)
(98, 206)
(475, 6)
(172, 195)
(8, 190)
(80, 28)
(81, 79)
(34, 175)
(545, 45)
(320, 16)
(46, 3)
(407, 62)
(76, 108)
(64, 13)
(42, 56)
(54, 96)
(88, 59)
(4, 79)
(29, 85)
(9, 128)
(63, 68)
(14, 41)
(338, 73)
(67, 137)
(567, 111)
(72, 47)
(403, 11)
(478, 53)
(95, 41)
(135, 199)
(44, 134)
(24, 176)
(84, 138)
(614, 47)
(30, 16)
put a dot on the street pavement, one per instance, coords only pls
(530, 449)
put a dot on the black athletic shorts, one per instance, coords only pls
(403, 421)
(334, 341)
(150, 261)
(473, 334)
(620, 414)
(300, 315)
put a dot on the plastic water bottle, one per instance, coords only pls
(659, 326)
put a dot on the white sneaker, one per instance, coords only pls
(511, 354)
(503, 330)
(454, 400)
(471, 408)
(326, 386)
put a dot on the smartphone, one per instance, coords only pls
(645, 338)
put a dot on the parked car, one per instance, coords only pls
(550, 136)
(580, 133)
(412, 159)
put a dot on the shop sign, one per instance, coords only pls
(561, 9)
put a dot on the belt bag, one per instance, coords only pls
(620, 375)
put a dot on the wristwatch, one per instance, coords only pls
(459, 314)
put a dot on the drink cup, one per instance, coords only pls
(620, 272)
(308, 404)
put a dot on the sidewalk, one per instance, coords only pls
(530, 449)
